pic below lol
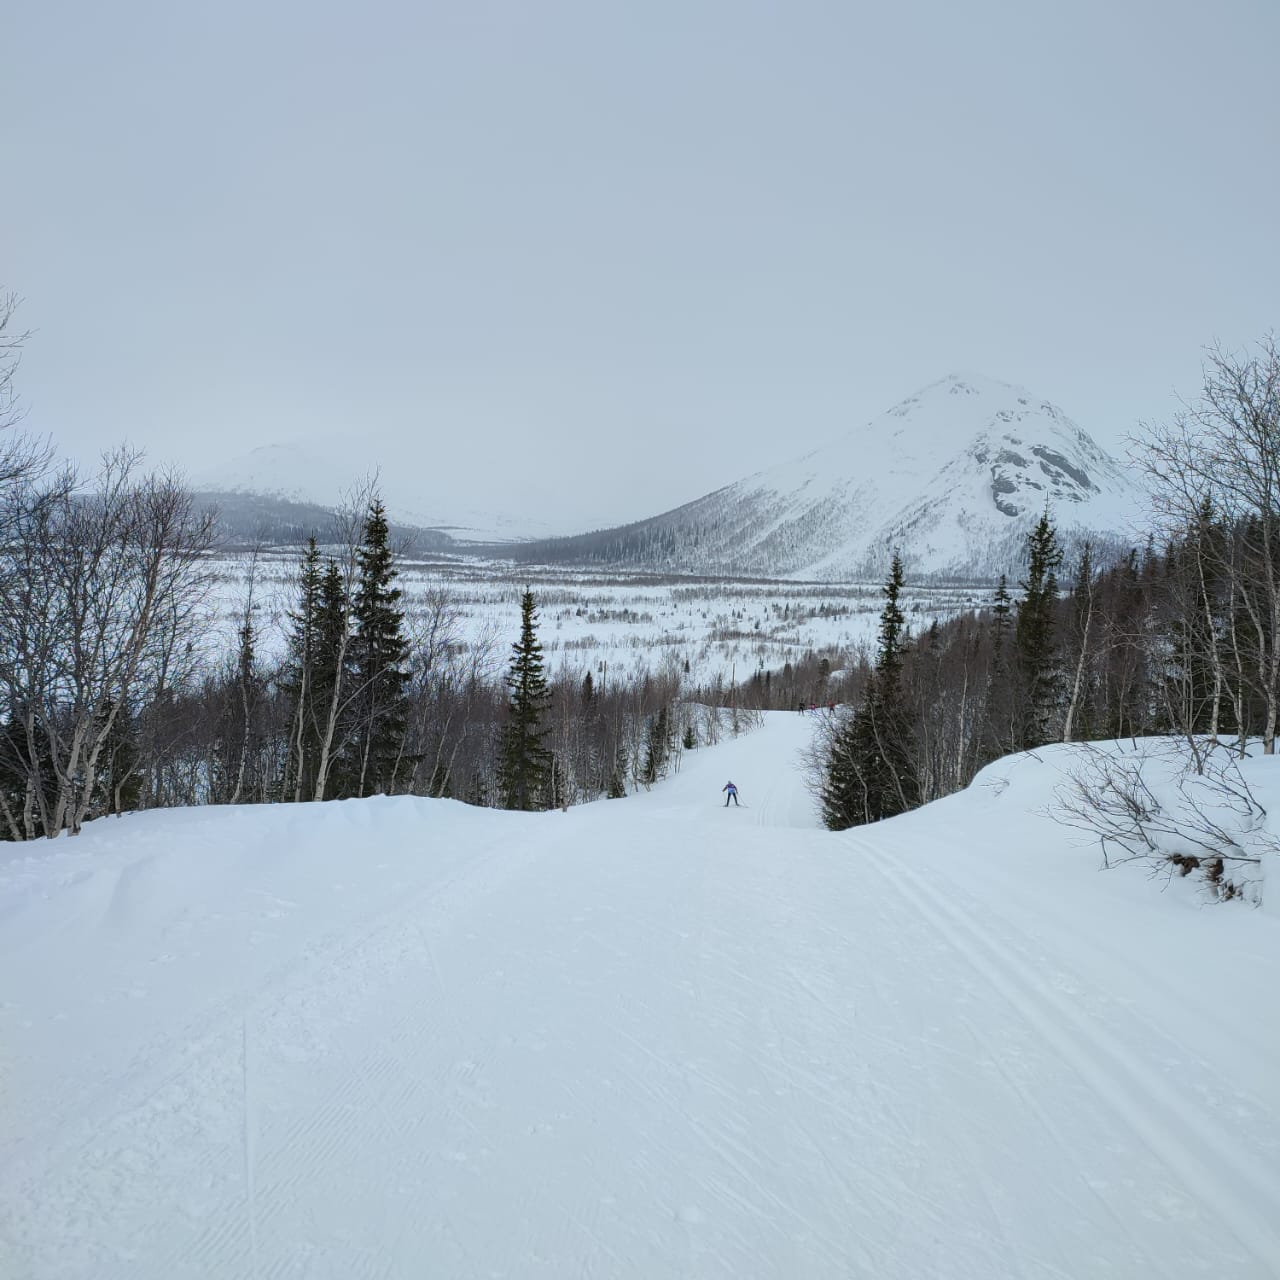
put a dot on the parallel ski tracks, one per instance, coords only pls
(1246, 1201)
(191, 1063)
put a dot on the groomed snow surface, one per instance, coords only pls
(644, 1038)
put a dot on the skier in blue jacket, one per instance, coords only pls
(733, 794)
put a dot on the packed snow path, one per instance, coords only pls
(644, 1038)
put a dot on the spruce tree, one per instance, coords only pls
(298, 681)
(241, 727)
(1000, 732)
(13, 779)
(1037, 653)
(657, 747)
(893, 625)
(26, 759)
(329, 710)
(843, 794)
(1082, 643)
(524, 762)
(871, 767)
(1001, 609)
(379, 654)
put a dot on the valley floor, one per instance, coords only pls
(643, 1038)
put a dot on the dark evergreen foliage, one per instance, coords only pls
(373, 761)
(1000, 712)
(236, 775)
(299, 676)
(329, 715)
(525, 763)
(1080, 636)
(617, 788)
(24, 752)
(1173, 643)
(119, 780)
(872, 770)
(658, 740)
(1039, 671)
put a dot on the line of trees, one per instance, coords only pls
(113, 703)
(1182, 638)
(112, 697)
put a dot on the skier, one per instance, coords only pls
(733, 794)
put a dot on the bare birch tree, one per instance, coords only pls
(349, 524)
(95, 579)
(1223, 451)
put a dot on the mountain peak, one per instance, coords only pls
(964, 385)
(953, 477)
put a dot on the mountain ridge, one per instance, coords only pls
(951, 477)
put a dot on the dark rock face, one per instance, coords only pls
(1055, 466)
(1001, 485)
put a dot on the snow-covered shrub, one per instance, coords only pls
(1180, 807)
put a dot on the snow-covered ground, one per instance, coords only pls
(608, 621)
(648, 1037)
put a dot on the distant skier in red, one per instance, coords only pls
(733, 794)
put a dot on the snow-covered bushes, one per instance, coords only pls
(1180, 807)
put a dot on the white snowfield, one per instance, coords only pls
(644, 1038)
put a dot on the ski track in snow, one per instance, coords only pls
(644, 1038)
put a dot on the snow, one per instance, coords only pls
(606, 622)
(647, 1037)
(953, 477)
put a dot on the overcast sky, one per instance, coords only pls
(619, 255)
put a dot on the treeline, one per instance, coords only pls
(673, 542)
(1181, 638)
(113, 704)
(249, 520)
(112, 697)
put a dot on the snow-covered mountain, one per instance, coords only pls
(953, 477)
(323, 472)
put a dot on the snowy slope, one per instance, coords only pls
(953, 477)
(644, 1038)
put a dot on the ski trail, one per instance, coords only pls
(642, 1040)
(251, 1200)
(1241, 1190)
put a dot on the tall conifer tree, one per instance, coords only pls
(379, 654)
(657, 746)
(329, 714)
(1000, 730)
(525, 763)
(299, 677)
(871, 769)
(1038, 659)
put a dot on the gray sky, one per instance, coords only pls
(623, 254)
